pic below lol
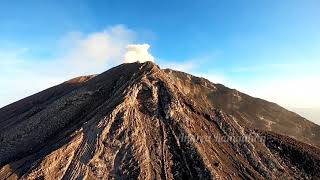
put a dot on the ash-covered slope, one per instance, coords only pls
(253, 112)
(135, 121)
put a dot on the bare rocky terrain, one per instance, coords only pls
(137, 121)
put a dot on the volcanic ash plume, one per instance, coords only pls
(138, 52)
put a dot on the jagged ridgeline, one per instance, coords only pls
(137, 121)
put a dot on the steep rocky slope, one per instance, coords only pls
(136, 122)
(253, 112)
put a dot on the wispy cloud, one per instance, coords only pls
(288, 84)
(95, 51)
(278, 67)
(187, 66)
(79, 54)
(190, 65)
(299, 90)
(195, 66)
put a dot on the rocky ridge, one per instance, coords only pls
(135, 122)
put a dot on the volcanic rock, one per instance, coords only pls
(137, 121)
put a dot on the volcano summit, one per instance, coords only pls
(137, 121)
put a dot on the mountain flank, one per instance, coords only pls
(137, 121)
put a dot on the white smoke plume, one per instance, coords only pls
(138, 52)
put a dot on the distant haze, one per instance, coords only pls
(312, 114)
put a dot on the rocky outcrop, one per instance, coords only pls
(135, 122)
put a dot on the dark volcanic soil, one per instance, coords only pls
(136, 121)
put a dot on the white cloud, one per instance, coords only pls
(138, 52)
(79, 54)
(94, 52)
(82, 54)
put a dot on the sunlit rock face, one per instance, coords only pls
(137, 121)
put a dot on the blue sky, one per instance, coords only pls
(267, 48)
